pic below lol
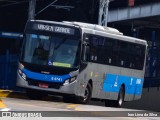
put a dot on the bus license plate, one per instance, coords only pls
(43, 85)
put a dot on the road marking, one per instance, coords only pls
(72, 106)
(35, 106)
(5, 109)
(77, 109)
(5, 93)
(2, 105)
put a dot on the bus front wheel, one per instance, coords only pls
(87, 95)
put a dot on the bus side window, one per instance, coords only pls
(108, 51)
(142, 56)
(139, 56)
(93, 54)
(130, 54)
(93, 49)
(115, 55)
(123, 54)
(101, 50)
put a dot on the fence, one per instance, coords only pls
(8, 71)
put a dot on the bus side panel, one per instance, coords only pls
(83, 78)
(133, 86)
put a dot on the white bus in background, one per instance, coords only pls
(81, 61)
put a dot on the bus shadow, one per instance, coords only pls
(141, 104)
(53, 98)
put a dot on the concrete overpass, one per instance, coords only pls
(147, 15)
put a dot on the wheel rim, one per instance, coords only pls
(120, 101)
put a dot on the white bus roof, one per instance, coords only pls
(85, 25)
(105, 30)
(95, 27)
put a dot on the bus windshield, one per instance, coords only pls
(51, 50)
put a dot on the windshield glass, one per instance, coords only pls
(50, 50)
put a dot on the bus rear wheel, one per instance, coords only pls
(87, 95)
(116, 103)
(120, 100)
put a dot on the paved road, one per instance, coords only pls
(68, 110)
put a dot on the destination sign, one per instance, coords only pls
(54, 28)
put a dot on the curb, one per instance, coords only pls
(12, 94)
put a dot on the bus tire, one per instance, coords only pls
(119, 102)
(34, 94)
(87, 97)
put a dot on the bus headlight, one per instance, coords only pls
(70, 80)
(23, 75)
(20, 72)
(66, 82)
(20, 66)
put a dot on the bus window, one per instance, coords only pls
(115, 53)
(93, 49)
(123, 54)
(108, 51)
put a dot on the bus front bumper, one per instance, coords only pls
(64, 89)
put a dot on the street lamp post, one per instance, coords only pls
(106, 15)
(103, 12)
(31, 10)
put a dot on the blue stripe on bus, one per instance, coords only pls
(45, 77)
(113, 82)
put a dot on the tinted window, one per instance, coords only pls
(114, 52)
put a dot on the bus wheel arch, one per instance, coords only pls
(91, 83)
(120, 99)
(87, 94)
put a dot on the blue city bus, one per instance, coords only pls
(81, 61)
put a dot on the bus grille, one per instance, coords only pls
(50, 84)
